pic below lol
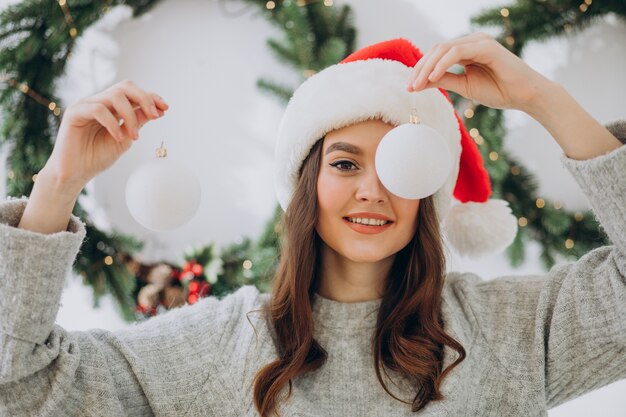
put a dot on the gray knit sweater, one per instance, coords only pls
(533, 342)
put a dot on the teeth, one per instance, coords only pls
(369, 222)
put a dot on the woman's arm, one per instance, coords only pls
(158, 367)
(497, 78)
(577, 133)
(562, 334)
(89, 141)
(49, 206)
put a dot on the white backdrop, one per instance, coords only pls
(205, 63)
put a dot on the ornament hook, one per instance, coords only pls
(413, 119)
(161, 152)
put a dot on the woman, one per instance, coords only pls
(360, 320)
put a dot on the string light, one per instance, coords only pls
(540, 203)
(270, 5)
(11, 176)
(493, 155)
(25, 89)
(306, 2)
(509, 39)
(68, 18)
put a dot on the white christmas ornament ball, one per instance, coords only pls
(413, 161)
(162, 194)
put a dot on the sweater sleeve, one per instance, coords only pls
(157, 367)
(564, 332)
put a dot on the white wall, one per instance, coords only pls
(206, 64)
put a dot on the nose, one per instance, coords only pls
(370, 189)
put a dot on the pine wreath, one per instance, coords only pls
(37, 38)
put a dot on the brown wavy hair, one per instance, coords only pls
(409, 336)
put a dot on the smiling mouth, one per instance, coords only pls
(367, 222)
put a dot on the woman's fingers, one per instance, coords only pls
(124, 109)
(429, 62)
(452, 82)
(459, 54)
(161, 104)
(149, 102)
(125, 97)
(131, 108)
(104, 116)
(417, 69)
(430, 67)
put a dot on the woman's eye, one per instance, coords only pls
(344, 165)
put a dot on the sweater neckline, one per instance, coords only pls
(341, 315)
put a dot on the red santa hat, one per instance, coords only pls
(371, 84)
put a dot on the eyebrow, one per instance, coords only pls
(343, 146)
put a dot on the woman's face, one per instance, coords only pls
(358, 218)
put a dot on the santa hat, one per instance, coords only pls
(371, 84)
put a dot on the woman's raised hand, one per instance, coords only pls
(493, 76)
(97, 130)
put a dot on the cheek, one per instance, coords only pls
(408, 210)
(330, 193)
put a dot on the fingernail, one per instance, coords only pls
(154, 111)
(431, 76)
(136, 133)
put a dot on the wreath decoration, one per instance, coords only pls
(37, 38)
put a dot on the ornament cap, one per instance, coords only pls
(413, 119)
(161, 151)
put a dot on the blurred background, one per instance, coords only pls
(205, 57)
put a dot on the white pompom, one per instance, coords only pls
(413, 161)
(162, 194)
(478, 229)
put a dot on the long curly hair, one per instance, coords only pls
(409, 335)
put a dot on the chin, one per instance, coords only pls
(365, 256)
